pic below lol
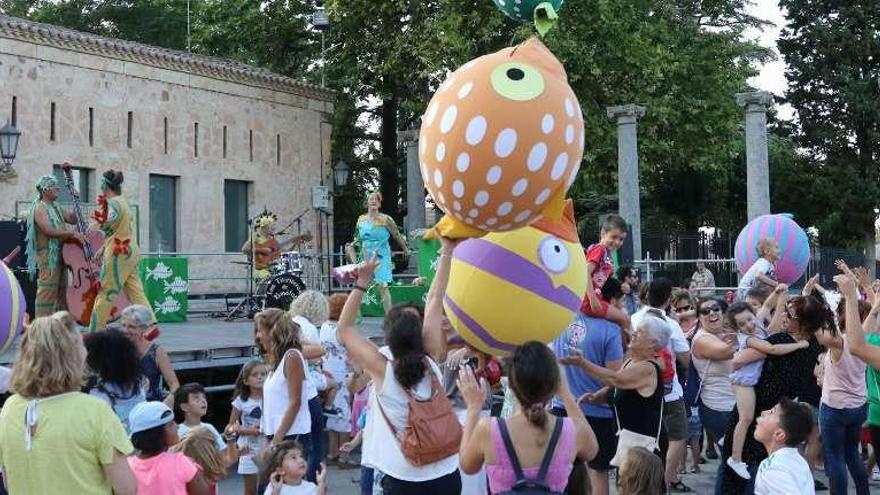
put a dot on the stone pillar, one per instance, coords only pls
(757, 162)
(627, 118)
(415, 188)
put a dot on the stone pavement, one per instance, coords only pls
(347, 482)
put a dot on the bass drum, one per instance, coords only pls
(281, 290)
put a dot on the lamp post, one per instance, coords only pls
(321, 23)
(9, 136)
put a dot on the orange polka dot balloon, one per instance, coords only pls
(501, 140)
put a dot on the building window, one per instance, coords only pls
(235, 201)
(278, 149)
(91, 126)
(163, 213)
(15, 111)
(251, 143)
(224, 141)
(81, 182)
(52, 121)
(196, 139)
(165, 134)
(129, 131)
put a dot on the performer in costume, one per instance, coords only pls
(45, 235)
(371, 236)
(266, 248)
(120, 253)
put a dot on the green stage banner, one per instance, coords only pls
(371, 305)
(429, 251)
(166, 284)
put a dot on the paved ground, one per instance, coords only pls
(347, 482)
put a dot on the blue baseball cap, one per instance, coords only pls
(148, 415)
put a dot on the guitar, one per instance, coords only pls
(262, 261)
(83, 265)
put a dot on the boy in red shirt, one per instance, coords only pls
(600, 268)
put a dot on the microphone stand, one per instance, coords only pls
(249, 305)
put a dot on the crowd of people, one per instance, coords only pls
(778, 386)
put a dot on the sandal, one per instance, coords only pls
(679, 487)
(695, 469)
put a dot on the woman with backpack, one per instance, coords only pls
(531, 448)
(411, 434)
(118, 378)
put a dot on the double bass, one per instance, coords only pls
(83, 264)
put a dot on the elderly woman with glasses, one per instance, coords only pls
(138, 324)
(712, 352)
(638, 384)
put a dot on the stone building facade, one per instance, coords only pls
(202, 142)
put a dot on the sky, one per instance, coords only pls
(772, 75)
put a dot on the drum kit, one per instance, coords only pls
(288, 275)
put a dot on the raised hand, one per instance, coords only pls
(474, 393)
(367, 268)
(847, 285)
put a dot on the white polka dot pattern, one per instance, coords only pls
(495, 162)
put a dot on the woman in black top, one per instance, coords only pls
(782, 376)
(639, 382)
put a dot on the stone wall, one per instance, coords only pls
(37, 75)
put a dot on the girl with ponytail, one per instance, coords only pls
(406, 379)
(534, 378)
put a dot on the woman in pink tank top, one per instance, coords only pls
(534, 378)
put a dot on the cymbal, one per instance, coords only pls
(246, 263)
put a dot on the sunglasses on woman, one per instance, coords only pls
(682, 309)
(710, 310)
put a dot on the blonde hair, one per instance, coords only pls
(52, 358)
(311, 305)
(200, 445)
(764, 245)
(641, 473)
(284, 334)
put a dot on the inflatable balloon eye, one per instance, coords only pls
(501, 141)
(794, 247)
(507, 288)
(12, 308)
(542, 12)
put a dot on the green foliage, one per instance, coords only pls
(666, 59)
(833, 55)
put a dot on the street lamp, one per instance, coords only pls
(8, 145)
(341, 171)
(321, 23)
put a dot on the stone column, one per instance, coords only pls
(627, 118)
(415, 188)
(757, 162)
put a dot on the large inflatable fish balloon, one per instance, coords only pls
(501, 142)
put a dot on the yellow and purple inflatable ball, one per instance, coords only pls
(12, 308)
(507, 288)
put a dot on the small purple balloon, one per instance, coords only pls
(794, 247)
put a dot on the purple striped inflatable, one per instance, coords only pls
(794, 248)
(12, 308)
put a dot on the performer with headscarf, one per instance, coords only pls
(371, 237)
(265, 247)
(120, 252)
(46, 232)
